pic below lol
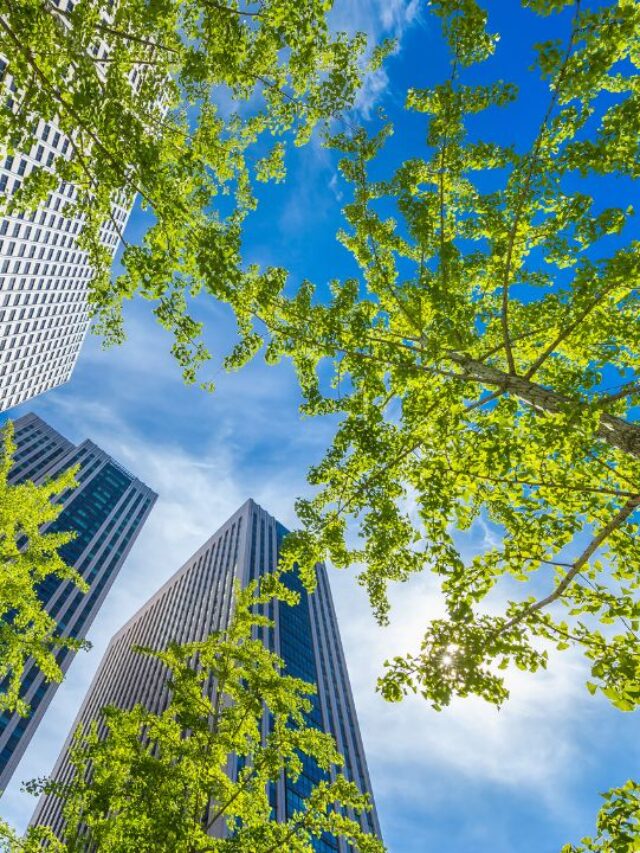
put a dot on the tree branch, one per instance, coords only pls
(113, 31)
(533, 162)
(567, 331)
(617, 521)
(68, 108)
(627, 390)
(222, 8)
(613, 430)
(516, 481)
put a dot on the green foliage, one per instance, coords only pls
(172, 101)
(473, 366)
(486, 362)
(27, 557)
(618, 823)
(486, 371)
(160, 782)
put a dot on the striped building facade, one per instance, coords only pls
(44, 274)
(198, 600)
(107, 511)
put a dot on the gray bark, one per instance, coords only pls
(614, 431)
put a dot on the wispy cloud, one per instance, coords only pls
(310, 205)
(538, 749)
(205, 455)
(468, 780)
(378, 20)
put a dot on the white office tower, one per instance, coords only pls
(43, 275)
(198, 600)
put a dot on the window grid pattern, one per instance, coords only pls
(107, 511)
(44, 275)
(197, 600)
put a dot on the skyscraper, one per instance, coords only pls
(107, 511)
(198, 600)
(43, 274)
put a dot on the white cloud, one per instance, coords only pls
(333, 186)
(203, 454)
(377, 19)
(471, 736)
(426, 764)
(413, 752)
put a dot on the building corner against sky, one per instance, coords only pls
(107, 511)
(44, 275)
(198, 600)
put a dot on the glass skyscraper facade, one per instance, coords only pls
(106, 511)
(198, 600)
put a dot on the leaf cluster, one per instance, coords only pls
(618, 823)
(472, 369)
(180, 103)
(196, 775)
(29, 555)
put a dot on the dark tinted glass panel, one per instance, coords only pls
(297, 652)
(84, 514)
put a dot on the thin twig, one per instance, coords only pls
(533, 161)
(617, 521)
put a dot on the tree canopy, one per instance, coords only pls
(486, 368)
(182, 103)
(146, 781)
(485, 365)
(28, 556)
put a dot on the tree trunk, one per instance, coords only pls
(614, 431)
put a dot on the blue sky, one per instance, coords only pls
(470, 779)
